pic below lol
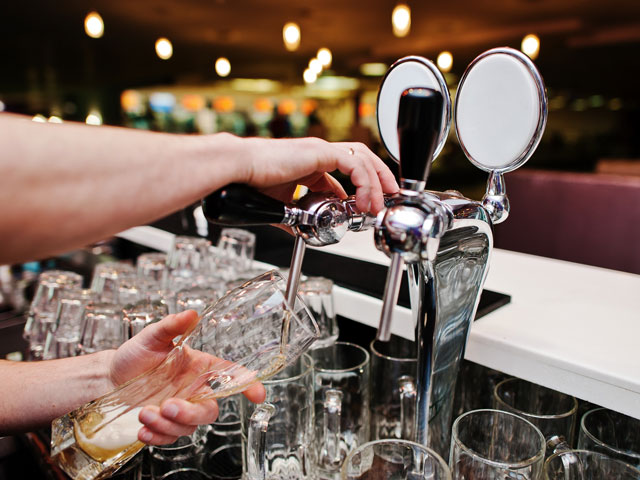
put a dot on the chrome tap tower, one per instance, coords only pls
(442, 238)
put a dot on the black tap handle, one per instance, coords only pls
(419, 125)
(240, 205)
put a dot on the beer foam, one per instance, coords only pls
(121, 430)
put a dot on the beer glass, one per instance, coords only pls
(341, 403)
(64, 335)
(186, 453)
(277, 435)
(587, 465)
(393, 389)
(554, 413)
(494, 445)
(237, 342)
(198, 298)
(317, 293)
(188, 258)
(394, 459)
(611, 433)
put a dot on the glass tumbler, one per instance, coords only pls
(101, 328)
(554, 413)
(393, 388)
(64, 335)
(394, 459)
(342, 411)
(44, 306)
(611, 433)
(277, 435)
(317, 293)
(188, 258)
(186, 453)
(495, 445)
(107, 277)
(237, 342)
(237, 248)
(142, 313)
(587, 465)
(151, 266)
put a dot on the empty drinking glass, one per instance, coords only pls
(237, 342)
(137, 316)
(188, 257)
(101, 328)
(495, 445)
(64, 335)
(198, 298)
(554, 413)
(341, 403)
(237, 248)
(44, 307)
(611, 433)
(277, 435)
(393, 389)
(394, 459)
(586, 465)
(107, 277)
(152, 266)
(317, 293)
(187, 453)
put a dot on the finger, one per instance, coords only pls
(184, 412)
(152, 418)
(387, 179)
(325, 183)
(255, 393)
(377, 199)
(152, 438)
(158, 336)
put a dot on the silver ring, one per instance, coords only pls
(351, 152)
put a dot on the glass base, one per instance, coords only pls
(77, 463)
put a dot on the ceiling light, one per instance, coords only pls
(2, 106)
(373, 69)
(94, 118)
(531, 46)
(401, 20)
(55, 119)
(325, 57)
(445, 61)
(223, 67)
(39, 118)
(315, 66)
(309, 76)
(261, 85)
(291, 36)
(93, 25)
(164, 49)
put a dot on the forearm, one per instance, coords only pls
(69, 185)
(34, 393)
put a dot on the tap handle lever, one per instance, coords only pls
(241, 205)
(419, 125)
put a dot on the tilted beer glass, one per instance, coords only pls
(237, 342)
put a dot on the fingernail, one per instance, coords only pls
(170, 411)
(145, 436)
(147, 416)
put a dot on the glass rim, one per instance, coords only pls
(389, 357)
(307, 368)
(497, 463)
(522, 413)
(591, 436)
(395, 441)
(631, 468)
(343, 370)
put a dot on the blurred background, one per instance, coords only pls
(283, 68)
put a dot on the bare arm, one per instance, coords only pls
(67, 185)
(34, 393)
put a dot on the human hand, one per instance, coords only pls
(175, 417)
(276, 166)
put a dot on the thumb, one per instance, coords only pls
(159, 336)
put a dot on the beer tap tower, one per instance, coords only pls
(442, 238)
